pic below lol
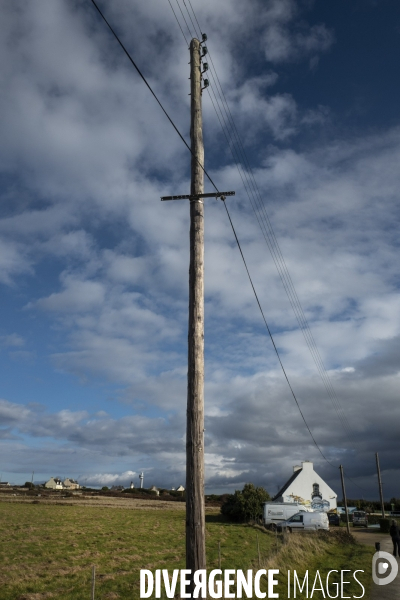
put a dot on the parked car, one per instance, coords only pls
(276, 512)
(333, 519)
(304, 521)
(360, 518)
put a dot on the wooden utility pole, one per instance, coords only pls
(380, 485)
(345, 499)
(195, 511)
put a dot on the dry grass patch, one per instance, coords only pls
(321, 551)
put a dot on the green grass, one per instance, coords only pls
(47, 551)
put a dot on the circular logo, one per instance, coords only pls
(384, 568)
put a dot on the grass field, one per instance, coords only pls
(47, 551)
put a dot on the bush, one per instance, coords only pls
(385, 525)
(245, 505)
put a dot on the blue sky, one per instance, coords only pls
(93, 267)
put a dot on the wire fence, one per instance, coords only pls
(216, 559)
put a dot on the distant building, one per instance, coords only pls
(132, 485)
(180, 489)
(308, 488)
(54, 483)
(71, 484)
(156, 490)
(4, 484)
(117, 488)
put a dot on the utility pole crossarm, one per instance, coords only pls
(221, 195)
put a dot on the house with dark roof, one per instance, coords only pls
(308, 488)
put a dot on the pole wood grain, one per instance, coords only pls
(195, 511)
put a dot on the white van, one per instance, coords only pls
(277, 512)
(306, 522)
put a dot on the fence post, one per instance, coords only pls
(219, 555)
(93, 580)
(258, 549)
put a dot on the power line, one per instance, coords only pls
(177, 20)
(230, 220)
(190, 17)
(239, 155)
(270, 335)
(183, 16)
(141, 74)
(272, 242)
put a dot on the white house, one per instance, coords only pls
(307, 487)
(71, 484)
(54, 483)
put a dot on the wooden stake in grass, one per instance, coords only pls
(93, 580)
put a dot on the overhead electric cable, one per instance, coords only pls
(271, 336)
(177, 20)
(269, 234)
(183, 16)
(141, 74)
(190, 17)
(230, 220)
(239, 155)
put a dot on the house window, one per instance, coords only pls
(316, 493)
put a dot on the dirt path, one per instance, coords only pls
(369, 537)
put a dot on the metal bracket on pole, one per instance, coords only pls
(221, 195)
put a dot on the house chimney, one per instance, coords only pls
(296, 468)
(307, 465)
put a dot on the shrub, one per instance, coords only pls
(245, 505)
(385, 525)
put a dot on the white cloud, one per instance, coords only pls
(13, 340)
(286, 38)
(77, 296)
(90, 248)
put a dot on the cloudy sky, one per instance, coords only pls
(94, 268)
